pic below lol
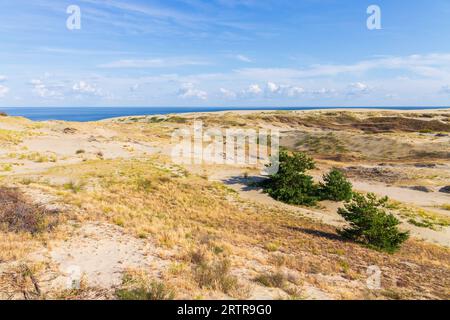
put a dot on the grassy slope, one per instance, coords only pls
(184, 214)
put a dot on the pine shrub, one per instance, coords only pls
(370, 224)
(335, 187)
(290, 184)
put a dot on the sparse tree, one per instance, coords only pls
(290, 184)
(335, 187)
(370, 224)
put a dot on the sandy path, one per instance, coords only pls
(233, 179)
(418, 198)
(99, 253)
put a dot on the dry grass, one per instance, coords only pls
(213, 236)
(151, 201)
(420, 217)
(24, 226)
(275, 280)
(15, 246)
(137, 285)
(213, 272)
(21, 283)
(10, 137)
(21, 128)
(18, 214)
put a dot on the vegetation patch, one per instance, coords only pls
(9, 136)
(335, 186)
(138, 286)
(328, 144)
(213, 273)
(38, 157)
(370, 224)
(273, 280)
(19, 214)
(292, 185)
(420, 217)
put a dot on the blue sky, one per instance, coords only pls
(224, 53)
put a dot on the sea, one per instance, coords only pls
(86, 114)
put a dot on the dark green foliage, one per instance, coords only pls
(370, 224)
(290, 184)
(335, 187)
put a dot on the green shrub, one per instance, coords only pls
(370, 224)
(75, 187)
(139, 285)
(290, 184)
(153, 291)
(215, 275)
(335, 187)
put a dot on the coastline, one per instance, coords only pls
(92, 114)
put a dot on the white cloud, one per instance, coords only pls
(295, 91)
(61, 89)
(272, 90)
(431, 65)
(227, 93)
(283, 90)
(253, 89)
(243, 58)
(414, 79)
(358, 88)
(44, 90)
(273, 87)
(82, 87)
(322, 91)
(3, 91)
(188, 91)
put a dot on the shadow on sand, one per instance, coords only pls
(318, 233)
(247, 183)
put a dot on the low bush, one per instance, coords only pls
(138, 285)
(335, 187)
(370, 224)
(273, 280)
(19, 214)
(152, 291)
(290, 184)
(75, 187)
(215, 275)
